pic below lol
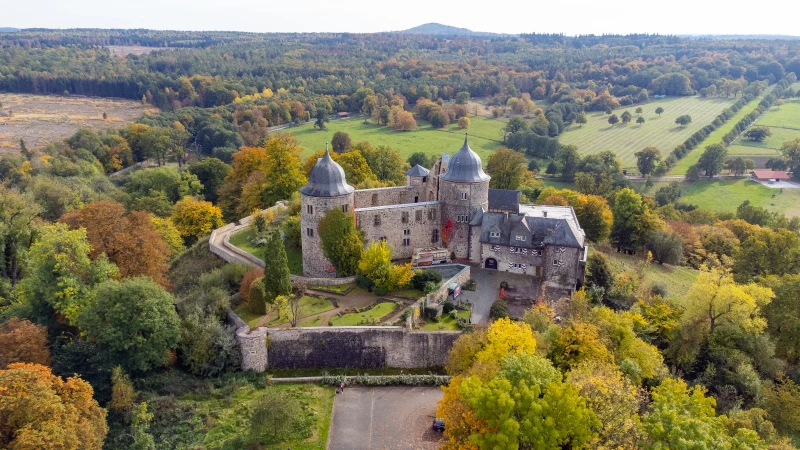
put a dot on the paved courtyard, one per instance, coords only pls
(489, 287)
(376, 418)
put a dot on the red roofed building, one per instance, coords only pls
(766, 175)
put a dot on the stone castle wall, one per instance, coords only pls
(398, 195)
(313, 209)
(343, 347)
(419, 220)
(453, 207)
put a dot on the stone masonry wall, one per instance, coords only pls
(422, 220)
(253, 344)
(453, 206)
(504, 256)
(398, 195)
(313, 209)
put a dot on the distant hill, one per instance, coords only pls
(446, 30)
(8, 30)
(729, 37)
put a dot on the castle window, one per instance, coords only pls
(404, 217)
(374, 199)
(463, 196)
(416, 199)
(406, 232)
(494, 234)
(521, 238)
(406, 242)
(418, 215)
(463, 218)
(431, 214)
(345, 208)
(310, 209)
(377, 220)
(310, 232)
(435, 237)
(382, 238)
(424, 179)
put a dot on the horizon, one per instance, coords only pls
(683, 18)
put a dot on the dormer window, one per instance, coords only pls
(521, 238)
(494, 234)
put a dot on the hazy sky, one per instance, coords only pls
(512, 16)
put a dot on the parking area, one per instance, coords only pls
(396, 417)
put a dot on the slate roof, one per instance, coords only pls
(465, 167)
(326, 179)
(538, 231)
(503, 199)
(418, 171)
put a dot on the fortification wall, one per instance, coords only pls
(398, 195)
(418, 222)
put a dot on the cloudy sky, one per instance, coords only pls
(511, 16)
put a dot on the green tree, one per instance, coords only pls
(61, 276)
(341, 241)
(462, 98)
(419, 158)
(613, 120)
(647, 160)
(791, 151)
(356, 169)
(17, 232)
(640, 120)
(133, 322)
(277, 280)
(683, 120)
(385, 163)
(568, 157)
(639, 110)
(322, 117)
(713, 159)
(783, 316)
(507, 168)
(211, 173)
(283, 170)
(767, 252)
(275, 415)
(581, 119)
(140, 428)
(659, 111)
(340, 142)
(633, 221)
(758, 134)
(666, 247)
(626, 117)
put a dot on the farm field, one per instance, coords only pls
(727, 195)
(784, 123)
(787, 116)
(716, 136)
(40, 119)
(661, 132)
(485, 136)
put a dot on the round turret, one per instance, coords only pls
(326, 179)
(465, 167)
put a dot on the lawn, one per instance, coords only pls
(774, 142)
(365, 318)
(244, 314)
(340, 289)
(676, 279)
(228, 417)
(309, 306)
(294, 256)
(715, 137)
(485, 136)
(662, 132)
(446, 323)
(727, 195)
(787, 116)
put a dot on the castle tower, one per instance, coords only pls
(463, 191)
(326, 189)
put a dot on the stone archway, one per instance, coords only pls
(490, 263)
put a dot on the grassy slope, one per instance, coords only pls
(677, 280)
(363, 318)
(713, 138)
(662, 132)
(727, 195)
(485, 136)
(294, 256)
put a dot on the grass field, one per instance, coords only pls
(446, 323)
(784, 123)
(662, 132)
(485, 136)
(40, 119)
(716, 136)
(294, 256)
(787, 115)
(676, 280)
(727, 195)
(365, 318)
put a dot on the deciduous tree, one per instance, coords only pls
(595, 216)
(341, 241)
(195, 218)
(22, 341)
(647, 160)
(340, 142)
(211, 172)
(507, 168)
(613, 120)
(683, 120)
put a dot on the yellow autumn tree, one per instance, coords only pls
(376, 264)
(504, 337)
(194, 218)
(39, 410)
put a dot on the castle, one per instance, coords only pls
(488, 228)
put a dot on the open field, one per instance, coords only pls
(125, 50)
(39, 119)
(727, 195)
(787, 116)
(676, 279)
(661, 132)
(715, 137)
(485, 136)
(294, 256)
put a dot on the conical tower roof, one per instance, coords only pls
(326, 179)
(465, 167)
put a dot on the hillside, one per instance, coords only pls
(447, 30)
(8, 30)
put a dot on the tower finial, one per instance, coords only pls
(466, 136)
(327, 153)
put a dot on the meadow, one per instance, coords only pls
(485, 136)
(675, 279)
(727, 195)
(661, 132)
(40, 119)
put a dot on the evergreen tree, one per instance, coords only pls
(276, 279)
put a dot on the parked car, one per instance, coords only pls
(438, 425)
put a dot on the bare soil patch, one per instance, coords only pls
(39, 119)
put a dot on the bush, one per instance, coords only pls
(499, 310)
(422, 277)
(387, 380)
(504, 284)
(432, 313)
(471, 285)
(430, 286)
(448, 307)
(380, 291)
(364, 283)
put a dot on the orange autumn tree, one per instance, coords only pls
(130, 240)
(39, 410)
(23, 341)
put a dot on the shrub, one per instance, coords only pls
(504, 284)
(430, 286)
(471, 285)
(448, 307)
(422, 277)
(499, 310)
(381, 291)
(364, 283)
(432, 313)
(248, 280)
